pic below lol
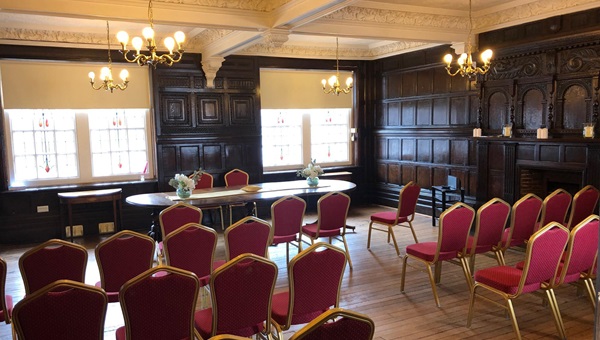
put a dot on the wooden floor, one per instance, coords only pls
(373, 288)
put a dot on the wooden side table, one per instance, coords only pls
(445, 190)
(91, 196)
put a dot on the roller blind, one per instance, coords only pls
(300, 89)
(65, 85)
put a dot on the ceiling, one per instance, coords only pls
(367, 29)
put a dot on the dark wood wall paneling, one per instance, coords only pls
(213, 128)
(422, 126)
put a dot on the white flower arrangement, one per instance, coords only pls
(181, 181)
(312, 170)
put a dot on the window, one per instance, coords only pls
(292, 137)
(54, 147)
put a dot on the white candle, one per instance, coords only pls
(539, 133)
(545, 133)
(588, 131)
(476, 132)
(506, 131)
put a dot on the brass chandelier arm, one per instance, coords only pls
(106, 73)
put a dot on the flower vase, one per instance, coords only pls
(312, 181)
(183, 192)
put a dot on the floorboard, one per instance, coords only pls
(373, 288)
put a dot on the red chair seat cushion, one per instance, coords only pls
(479, 248)
(120, 333)
(112, 296)
(279, 310)
(203, 324)
(503, 278)
(387, 217)
(284, 239)
(426, 251)
(311, 230)
(9, 307)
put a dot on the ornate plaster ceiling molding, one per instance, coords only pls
(33, 35)
(248, 5)
(207, 37)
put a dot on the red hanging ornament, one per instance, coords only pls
(328, 151)
(47, 123)
(47, 168)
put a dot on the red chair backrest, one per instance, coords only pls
(192, 248)
(205, 181)
(455, 224)
(122, 257)
(407, 203)
(241, 294)
(584, 205)
(62, 310)
(160, 306)
(332, 211)
(555, 207)
(248, 235)
(525, 213)
(582, 250)
(490, 223)
(51, 261)
(337, 324)
(544, 251)
(315, 267)
(287, 215)
(176, 216)
(236, 177)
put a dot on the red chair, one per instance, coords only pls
(581, 255)
(407, 203)
(337, 324)
(454, 227)
(523, 219)
(51, 261)
(248, 235)
(159, 306)
(543, 254)
(237, 177)
(555, 208)
(62, 310)
(6, 301)
(241, 292)
(192, 248)
(332, 211)
(315, 280)
(206, 182)
(174, 217)
(489, 226)
(584, 205)
(122, 257)
(287, 216)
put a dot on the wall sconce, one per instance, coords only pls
(353, 134)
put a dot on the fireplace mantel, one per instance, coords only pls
(501, 161)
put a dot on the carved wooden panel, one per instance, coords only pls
(532, 109)
(238, 83)
(394, 149)
(409, 112)
(393, 114)
(424, 82)
(526, 152)
(409, 84)
(209, 109)
(440, 111)
(175, 110)
(579, 59)
(549, 153)
(441, 81)
(515, 68)
(439, 176)
(174, 81)
(423, 176)
(381, 148)
(575, 154)
(441, 151)
(497, 110)
(424, 150)
(394, 174)
(212, 157)
(459, 154)
(168, 158)
(424, 110)
(392, 85)
(242, 109)
(189, 157)
(382, 173)
(234, 156)
(408, 149)
(459, 111)
(574, 108)
(408, 173)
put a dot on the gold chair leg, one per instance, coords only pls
(433, 283)
(513, 318)
(404, 263)
(438, 272)
(471, 305)
(369, 235)
(347, 251)
(591, 291)
(466, 263)
(287, 252)
(499, 257)
(560, 326)
(391, 231)
(412, 230)
(222, 220)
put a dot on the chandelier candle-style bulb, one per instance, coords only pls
(106, 73)
(151, 57)
(334, 81)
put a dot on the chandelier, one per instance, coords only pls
(334, 81)
(466, 65)
(106, 72)
(152, 58)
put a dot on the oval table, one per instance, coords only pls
(235, 194)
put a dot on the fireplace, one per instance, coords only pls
(544, 181)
